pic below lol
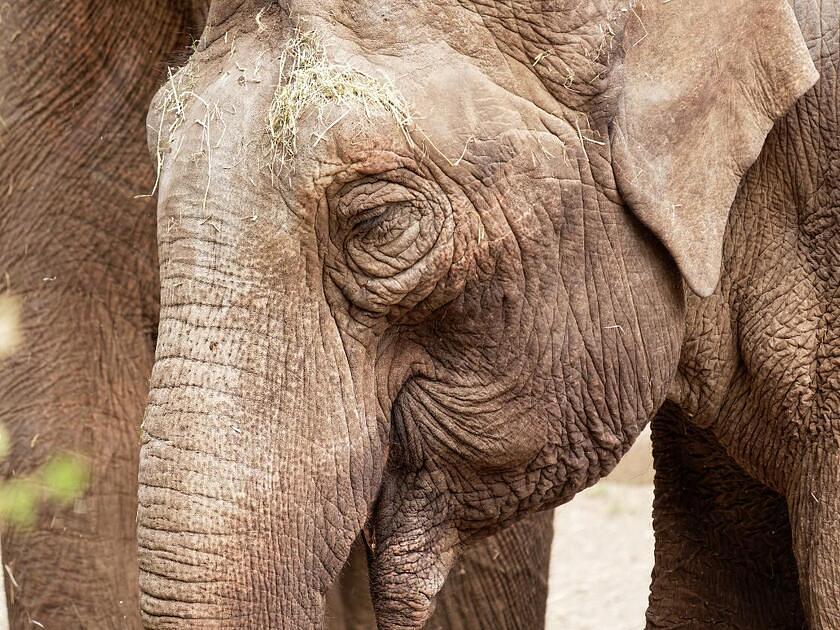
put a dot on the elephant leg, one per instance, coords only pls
(814, 503)
(723, 540)
(500, 582)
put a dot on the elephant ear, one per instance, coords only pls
(704, 80)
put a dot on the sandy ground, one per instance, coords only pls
(603, 551)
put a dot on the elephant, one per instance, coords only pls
(107, 594)
(78, 245)
(422, 275)
(79, 250)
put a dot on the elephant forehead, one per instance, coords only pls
(451, 71)
(309, 105)
(441, 110)
(564, 46)
(427, 87)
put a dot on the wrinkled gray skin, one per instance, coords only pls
(78, 247)
(748, 452)
(424, 334)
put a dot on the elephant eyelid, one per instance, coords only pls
(367, 218)
(374, 215)
(366, 200)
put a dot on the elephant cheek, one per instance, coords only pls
(258, 462)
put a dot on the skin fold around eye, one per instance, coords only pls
(369, 198)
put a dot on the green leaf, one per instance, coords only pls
(64, 478)
(17, 502)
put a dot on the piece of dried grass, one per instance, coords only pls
(309, 81)
(172, 107)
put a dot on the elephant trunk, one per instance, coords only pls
(258, 463)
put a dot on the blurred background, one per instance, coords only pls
(603, 550)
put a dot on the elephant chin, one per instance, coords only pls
(259, 457)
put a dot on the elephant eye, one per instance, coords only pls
(385, 221)
(380, 220)
(385, 226)
(391, 238)
(368, 200)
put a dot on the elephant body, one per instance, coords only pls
(80, 251)
(748, 451)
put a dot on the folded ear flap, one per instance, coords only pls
(704, 80)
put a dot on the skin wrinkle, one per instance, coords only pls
(548, 41)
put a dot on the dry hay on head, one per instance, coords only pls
(177, 94)
(172, 107)
(308, 80)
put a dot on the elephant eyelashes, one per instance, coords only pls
(386, 224)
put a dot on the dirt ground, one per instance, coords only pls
(603, 551)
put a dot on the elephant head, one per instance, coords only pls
(418, 276)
